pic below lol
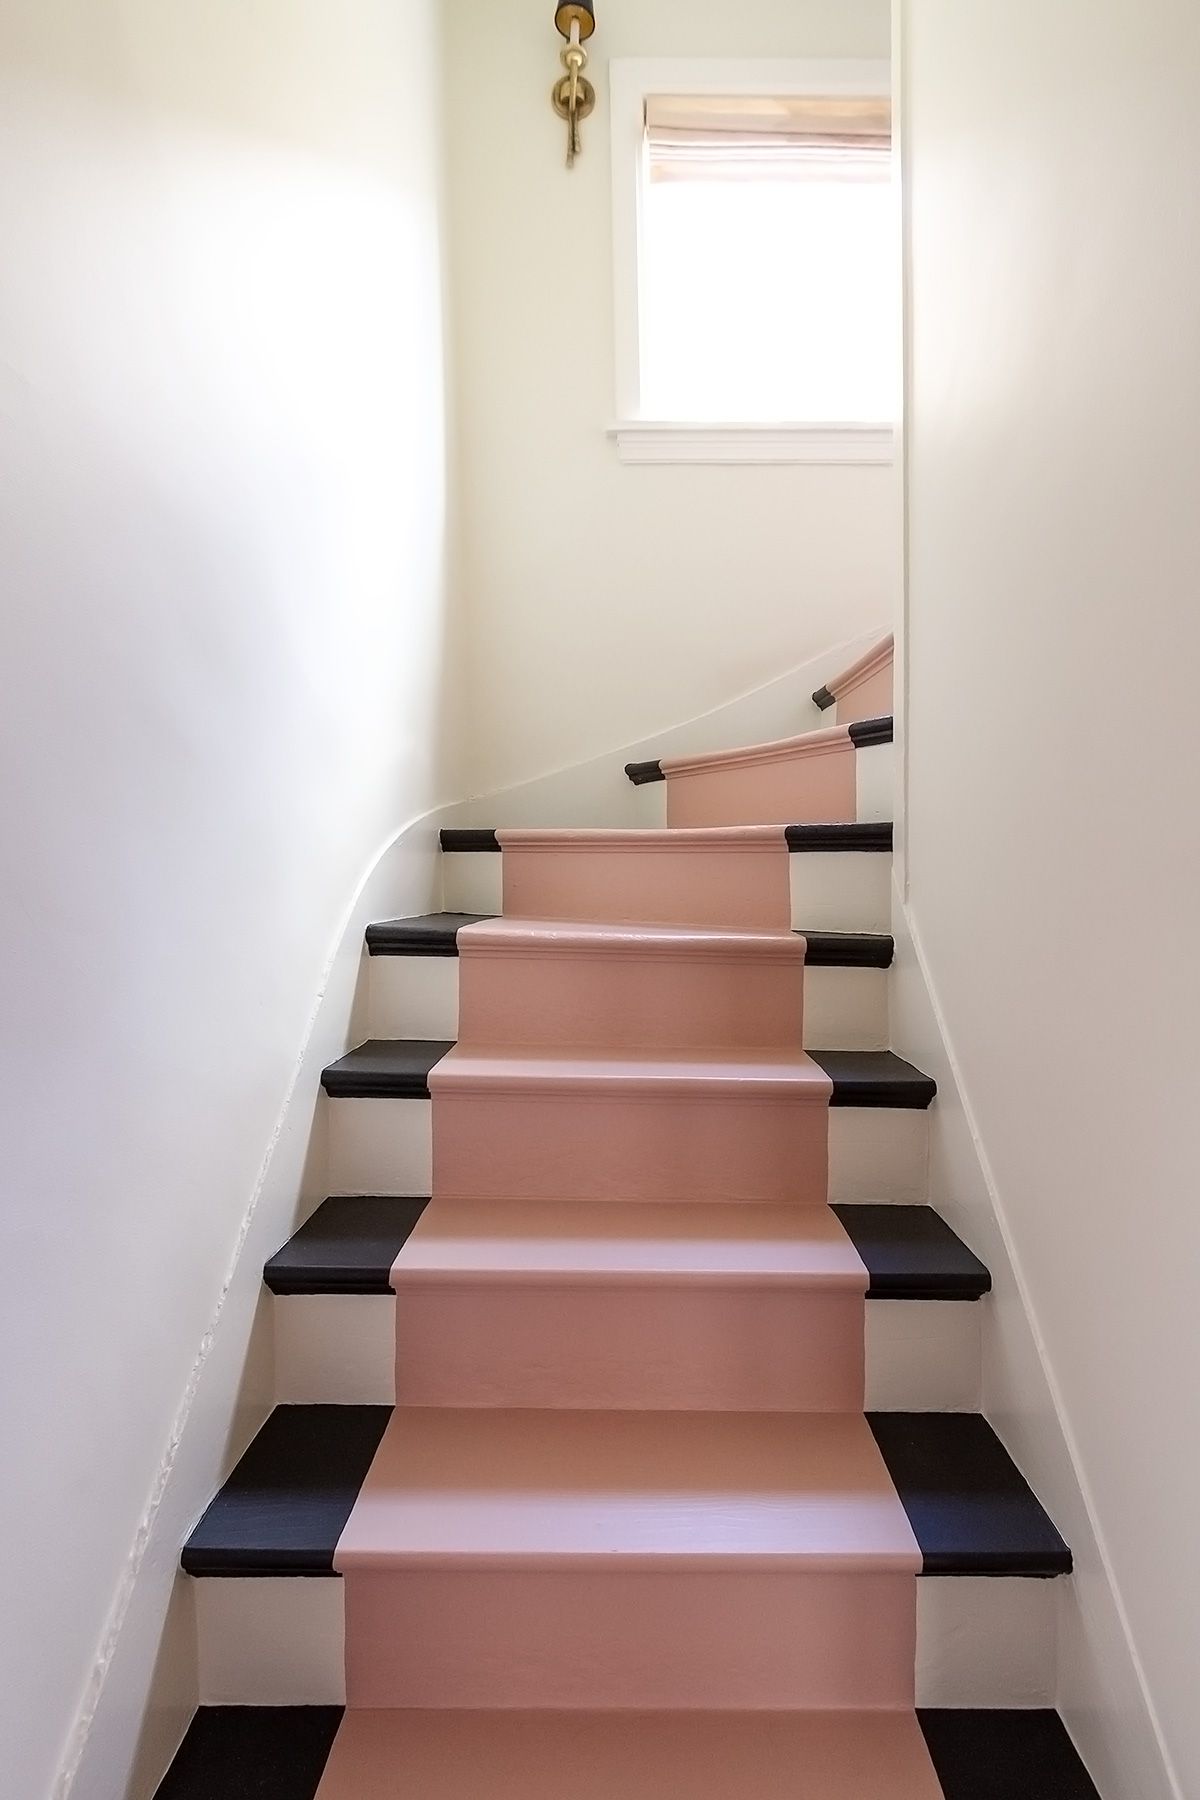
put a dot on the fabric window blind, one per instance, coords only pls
(705, 137)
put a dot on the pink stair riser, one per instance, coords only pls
(762, 1639)
(645, 1344)
(593, 1146)
(637, 986)
(736, 877)
(516, 1755)
(810, 781)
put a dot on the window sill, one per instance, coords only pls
(643, 441)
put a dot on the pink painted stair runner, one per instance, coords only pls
(812, 777)
(627, 1531)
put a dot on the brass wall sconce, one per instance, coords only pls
(574, 96)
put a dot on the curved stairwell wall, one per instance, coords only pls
(596, 789)
(225, 660)
(1052, 853)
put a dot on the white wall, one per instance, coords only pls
(605, 601)
(1052, 642)
(225, 661)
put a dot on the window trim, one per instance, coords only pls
(642, 440)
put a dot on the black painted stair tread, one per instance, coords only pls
(351, 1241)
(874, 1078)
(252, 1753)
(971, 1510)
(436, 934)
(912, 1254)
(1004, 1755)
(864, 835)
(280, 1752)
(853, 835)
(432, 934)
(848, 949)
(386, 1068)
(284, 1507)
(348, 1246)
(398, 1069)
(864, 732)
(642, 772)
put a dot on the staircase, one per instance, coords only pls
(644, 1458)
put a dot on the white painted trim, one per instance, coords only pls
(646, 441)
(630, 79)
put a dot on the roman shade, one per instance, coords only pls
(711, 137)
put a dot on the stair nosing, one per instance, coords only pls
(885, 1082)
(888, 1278)
(231, 1539)
(851, 835)
(421, 936)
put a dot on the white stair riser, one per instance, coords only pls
(417, 997)
(281, 1642)
(386, 1147)
(340, 1350)
(832, 890)
(874, 782)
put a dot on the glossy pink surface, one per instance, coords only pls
(596, 1125)
(629, 1756)
(612, 1305)
(733, 877)
(625, 1559)
(628, 1472)
(864, 690)
(800, 780)
(640, 986)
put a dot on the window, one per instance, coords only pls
(755, 256)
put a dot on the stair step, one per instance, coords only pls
(863, 732)
(837, 877)
(436, 934)
(831, 775)
(349, 1244)
(399, 1068)
(589, 1242)
(430, 934)
(285, 1505)
(839, 998)
(281, 1753)
(847, 836)
(606, 1305)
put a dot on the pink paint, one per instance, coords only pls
(731, 877)
(629, 1756)
(640, 986)
(628, 1479)
(809, 779)
(607, 1559)
(864, 690)
(612, 1306)
(594, 1125)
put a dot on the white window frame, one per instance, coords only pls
(642, 440)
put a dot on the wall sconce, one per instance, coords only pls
(574, 96)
